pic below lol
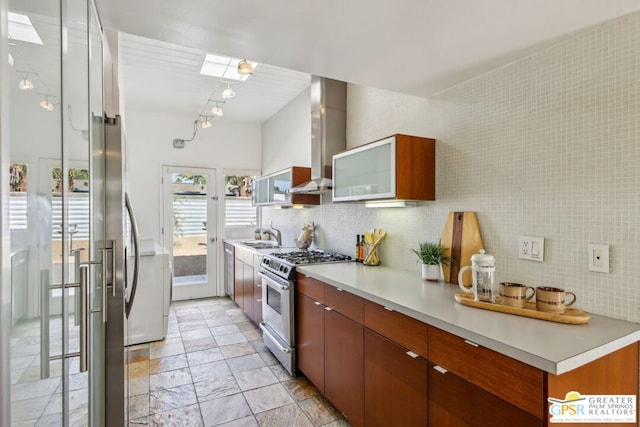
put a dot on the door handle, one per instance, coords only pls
(84, 330)
(44, 324)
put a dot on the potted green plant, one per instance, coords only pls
(257, 235)
(431, 256)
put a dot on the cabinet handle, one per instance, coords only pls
(412, 354)
(259, 286)
(472, 343)
(338, 289)
(440, 369)
(259, 300)
(317, 303)
(328, 308)
(388, 308)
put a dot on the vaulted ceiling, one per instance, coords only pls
(417, 47)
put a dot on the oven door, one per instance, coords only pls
(277, 306)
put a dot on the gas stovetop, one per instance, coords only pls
(283, 264)
(310, 257)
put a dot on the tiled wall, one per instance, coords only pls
(546, 146)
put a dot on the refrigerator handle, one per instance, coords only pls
(108, 259)
(136, 249)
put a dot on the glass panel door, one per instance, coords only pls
(57, 205)
(190, 230)
(35, 134)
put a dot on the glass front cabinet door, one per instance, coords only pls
(273, 189)
(398, 167)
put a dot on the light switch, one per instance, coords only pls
(531, 248)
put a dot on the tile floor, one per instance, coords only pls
(213, 369)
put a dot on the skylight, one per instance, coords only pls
(223, 67)
(20, 28)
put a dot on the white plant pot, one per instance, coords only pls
(431, 272)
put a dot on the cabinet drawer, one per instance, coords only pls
(516, 382)
(399, 328)
(312, 288)
(456, 402)
(352, 306)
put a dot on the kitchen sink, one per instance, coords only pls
(261, 245)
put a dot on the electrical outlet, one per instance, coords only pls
(531, 248)
(598, 258)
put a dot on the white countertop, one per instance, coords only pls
(553, 347)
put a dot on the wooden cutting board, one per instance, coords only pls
(462, 238)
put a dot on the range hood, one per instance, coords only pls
(328, 133)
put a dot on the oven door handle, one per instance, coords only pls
(263, 326)
(273, 282)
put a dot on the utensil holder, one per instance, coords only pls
(372, 257)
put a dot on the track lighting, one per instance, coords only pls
(228, 93)
(206, 123)
(245, 68)
(46, 104)
(217, 111)
(25, 84)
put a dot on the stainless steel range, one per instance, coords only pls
(278, 272)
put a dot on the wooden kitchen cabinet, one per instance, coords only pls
(247, 284)
(509, 379)
(399, 328)
(257, 289)
(310, 339)
(454, 402)
(398, 167)
(344, 365)
(310, 329)
(330, 345)
(395, 384)
(272, 189)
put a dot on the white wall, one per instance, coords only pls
(545, 146)
(286, 137)
(227, 145)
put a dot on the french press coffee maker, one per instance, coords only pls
(483, 271)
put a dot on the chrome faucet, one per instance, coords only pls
(277, 235)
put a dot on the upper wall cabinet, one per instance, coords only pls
(273, 189)
(398, 167)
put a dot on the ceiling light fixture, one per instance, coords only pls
(206, 123)
(46, 104)
(217, 111)
(11, 61)
(245, 68)
(26, 84)
(228, 93)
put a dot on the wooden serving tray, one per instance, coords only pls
(571, 316)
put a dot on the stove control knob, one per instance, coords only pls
(286, 269)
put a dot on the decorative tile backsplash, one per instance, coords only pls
(546, 146)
